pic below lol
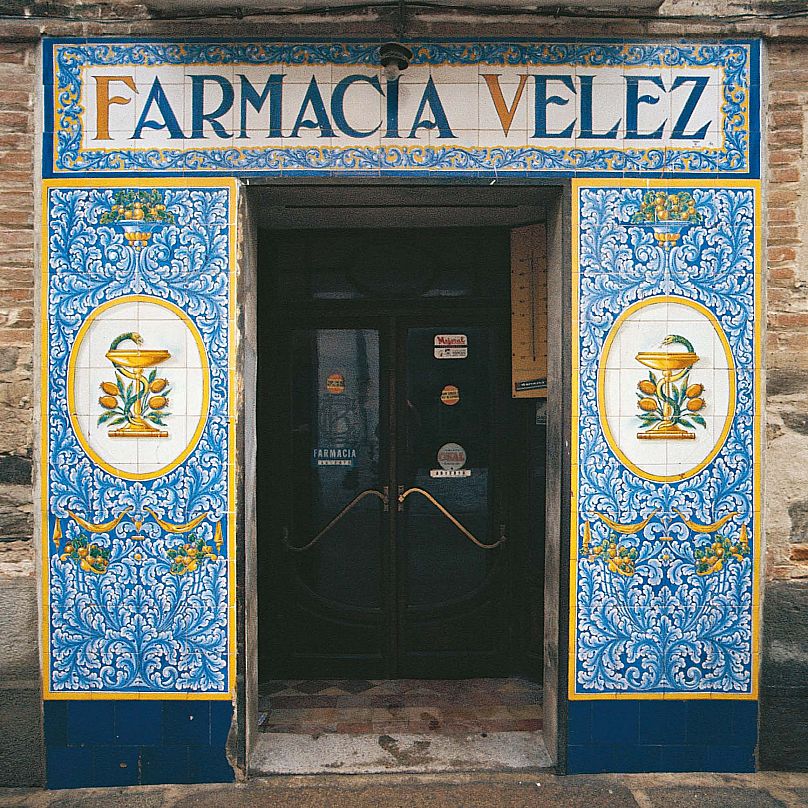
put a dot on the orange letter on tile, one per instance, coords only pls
(103, 101)
(505, 113)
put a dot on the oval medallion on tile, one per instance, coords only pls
(666, 388)
(138, 386)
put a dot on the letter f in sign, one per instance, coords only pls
(505, 113)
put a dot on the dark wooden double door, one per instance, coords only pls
(394, 492)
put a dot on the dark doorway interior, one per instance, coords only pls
(388, 477)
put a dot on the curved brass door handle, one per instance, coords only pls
(402, 495)
(383, 495)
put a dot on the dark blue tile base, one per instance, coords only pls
(121, 743)
(704, 735)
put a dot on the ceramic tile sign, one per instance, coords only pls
(137, 439)
(666, 444)
(560, 107)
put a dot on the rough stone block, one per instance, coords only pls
(16, 513)
(21, 751)
(19, 658)
(784, 677)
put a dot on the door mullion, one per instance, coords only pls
(392, 583)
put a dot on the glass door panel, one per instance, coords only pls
(328, 600)
(448, 531)
(335, 410)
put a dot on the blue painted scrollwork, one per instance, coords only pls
(129, 624)
(665, 594)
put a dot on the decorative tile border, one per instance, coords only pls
(666, 444)
(137, 442)
(68, 148)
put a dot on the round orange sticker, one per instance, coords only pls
(450, 395)
(335, 383)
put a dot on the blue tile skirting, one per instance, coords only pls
(126, 743)
(662, 736)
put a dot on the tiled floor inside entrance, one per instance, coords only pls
(443, 707)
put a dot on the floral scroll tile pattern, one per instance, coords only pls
(665, 539)
(138, 533)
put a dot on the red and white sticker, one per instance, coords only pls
(450, 395)
(451, 346)
(451, 457)
(335, 384)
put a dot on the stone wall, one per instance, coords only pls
(784, 680)
(20, 704)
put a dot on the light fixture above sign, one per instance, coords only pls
(394, 58)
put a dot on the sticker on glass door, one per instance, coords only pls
(451, 459)
(451, 346)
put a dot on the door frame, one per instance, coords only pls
(555, 195)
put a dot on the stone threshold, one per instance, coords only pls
(288, 753)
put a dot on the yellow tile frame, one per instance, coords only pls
(134, 182)
(695, 182)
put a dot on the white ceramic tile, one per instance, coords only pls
(683, 455)
(559, 116)
(82, 353)
(636, 337)
(613, 391)
(113, 450)
(146, 74)
(414, 74)
(158, 137)
(257, 138)
(460, 106)
(655, 312)
(363, 110)
(82, 392)
(93, 378)
(153, 311)
(409, 98)
(128, 468)
(166, 335)
(293, 95)
(708, 109)
(461, 139)
(297, 74)
(339, 72)
(193, 393)
(178, 394)
(225, 70)
(641, 452)
(446, 75)
(193, 359)
(212, 99)
(701, 335)
(681, 312)
(496, 137)
(103, 331)
(489, 118)
(154, 453)
(607, 111)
